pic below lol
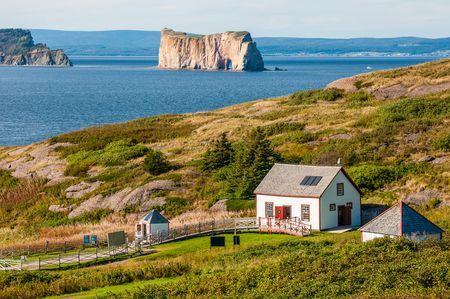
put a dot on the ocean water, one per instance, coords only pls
(38, 103)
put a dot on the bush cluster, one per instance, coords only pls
(313, 96)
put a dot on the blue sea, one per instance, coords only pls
(38, 103)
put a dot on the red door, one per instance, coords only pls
(348, 215)
(279, 213)
(344, 215)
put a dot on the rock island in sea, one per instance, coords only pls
(232, 50)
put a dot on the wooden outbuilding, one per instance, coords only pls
(401, 220)
(152, 224)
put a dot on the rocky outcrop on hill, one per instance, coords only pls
(17, 48)
(36, 161)
(413, 81)
(139, 197)
(234, 51)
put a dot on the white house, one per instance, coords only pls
(152, 224)
(400, 220)
(321, 197)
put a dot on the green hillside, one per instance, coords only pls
(393, 149)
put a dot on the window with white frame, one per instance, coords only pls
(305, 213)
(340, 189)
(269, 209)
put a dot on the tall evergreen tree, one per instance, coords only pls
(251, 164)
(220, 154)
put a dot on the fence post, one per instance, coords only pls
(59, 260)
(65, 246)
(185, 231)
(79, 257)
(212, 225)
(46, 247)
(39, 263)
(96, 254)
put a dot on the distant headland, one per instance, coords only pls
(17, 48)
(234, 51)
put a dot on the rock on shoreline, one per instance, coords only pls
(17, 48)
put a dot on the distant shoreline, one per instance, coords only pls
(281, 55)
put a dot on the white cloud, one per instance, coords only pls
(306, 18)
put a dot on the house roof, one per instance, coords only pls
(154, 217)
(286, 179)
(401, 220)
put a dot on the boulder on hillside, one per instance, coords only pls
(139, 197)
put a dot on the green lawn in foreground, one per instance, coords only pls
(200, 247)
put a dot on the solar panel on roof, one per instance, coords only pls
(310, 180)
(316, 180)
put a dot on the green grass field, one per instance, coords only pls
(322, 265)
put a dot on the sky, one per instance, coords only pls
(295, 18)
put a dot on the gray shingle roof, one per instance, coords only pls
(401, 216)
(154, 217)
(285, 179)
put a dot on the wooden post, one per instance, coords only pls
(46, 247)
(185, 231)
(65, 246)
(79, 257)
(39, 263)
(199, 227)
(59, 260)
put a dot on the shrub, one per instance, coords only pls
(156, 163)
(220, 154)
(7, 180)
(358, 99)
(442, 143)
(313, 96)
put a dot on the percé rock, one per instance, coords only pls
(234, 51)
(17, 48)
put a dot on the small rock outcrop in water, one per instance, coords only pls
(17, 48)
(234, 51)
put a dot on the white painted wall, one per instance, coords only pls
(329, 219)
(366, 236)
(295, 204)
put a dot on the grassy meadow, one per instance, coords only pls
(266, 266)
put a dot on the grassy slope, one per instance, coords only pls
(372, 138)
(322, 265)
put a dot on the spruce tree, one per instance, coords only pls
(220, 154)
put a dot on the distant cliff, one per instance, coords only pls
(17, 48)
(235, 51)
